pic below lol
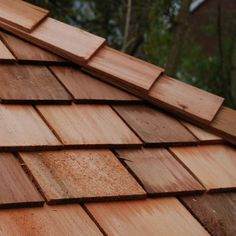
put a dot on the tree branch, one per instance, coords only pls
(127, 25)
(178, 38)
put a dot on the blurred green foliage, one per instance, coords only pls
(151, 35)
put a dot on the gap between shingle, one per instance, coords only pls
(48, 125)
(121, 160)
(185, 166)
(192, 213)
(29, 174)
(127, 124)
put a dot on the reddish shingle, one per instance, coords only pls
(97, 175)
(23, 129)
(155, 127)
(224, 123)
(30, 84)
(159, 172)
(217, 212)
(85, 175)
(203, 135)
(16, 189)
(86, 89)
(5, 54)
(128, 71)
(185, 99)
(61, 39)
(29, 53)
(67, 40)
(213, 165)
(165, 216)
(89, 126)
(54, 220)
(21, 14)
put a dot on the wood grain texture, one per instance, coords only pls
(163, 216)
(84, 175)
(85, 88)
(217, 212)
(49, 220)
(21, 14)
(67, 40)
(23, 129)
(16, 189)
(30, 84)
(155, 127)
(89, 126)
(213, 165)
(224, 123)
(159, 172)
(5, 54)
(29, 53)
(62, 39)
(185, 99)
(66, 53)
(51, 43)
(203, 135)
(128, 71)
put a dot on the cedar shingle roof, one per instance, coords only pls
(139, 152)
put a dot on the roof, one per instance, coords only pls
(93, 141)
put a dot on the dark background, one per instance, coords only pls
(195, 40)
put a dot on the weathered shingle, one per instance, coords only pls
(84, 175)
(216, 212)
(159, 172)
(16, 188)
(32, 85)
(155, 127)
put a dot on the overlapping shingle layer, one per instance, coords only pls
(67, 136)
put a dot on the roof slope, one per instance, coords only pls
(92, 125)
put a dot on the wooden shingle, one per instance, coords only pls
(5, 54)
(48, 220)
(21, 14)
(64, 40)
(16, 189)
(124, 70)
(203, 135)
(216, 212)
(81, 175)
(154, 127)
(86, 89)
(30, 84)
(213, 165)
(29, 53)
(23, 129)
(185, 99)
(89, 126)
(163, 216)
(159, 172)
(224, 123)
